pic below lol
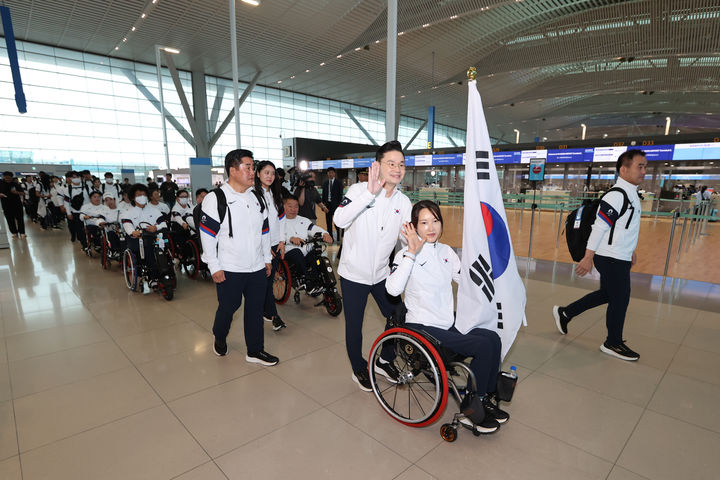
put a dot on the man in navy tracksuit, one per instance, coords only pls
(372, 215)
(611, 248)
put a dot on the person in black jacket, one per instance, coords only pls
(11, 194)
(332, 193)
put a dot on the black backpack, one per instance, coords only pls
(578, 224)
(222, 207)
(77, 201)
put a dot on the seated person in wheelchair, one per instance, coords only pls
(297, 230)
(143, 219)
(156, 201)
(112, 216)
(181, 218)
(425, 270)
(93, 214)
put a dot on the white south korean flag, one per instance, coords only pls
(491, 293)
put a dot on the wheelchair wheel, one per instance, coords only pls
(105, 261)
(165, 287)
(448, 432)
(333, 303)
(130, 270)
(420, 395)
(191, 259)
(282, 283)
(90, 244)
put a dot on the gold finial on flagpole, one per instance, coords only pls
(471, 73)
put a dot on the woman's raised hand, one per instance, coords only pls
(414, 242)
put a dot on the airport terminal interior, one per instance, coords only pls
(105, 375)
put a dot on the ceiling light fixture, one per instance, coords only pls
(307, 70)
(453, 17)
(174, 51)
(133, 29)
(279, 81)
(125, 39)
(377, 41)
(339, 56)
(292, 77)
(254, 3)
(143, 15)
(401, 33)
(117, 48)
(425, 25)
(322, 64)
(358, 49)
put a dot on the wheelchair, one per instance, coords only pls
(93, 234)
(136, 270)
(187, 253)
(288, 278)
(429, 375)
(110, 254)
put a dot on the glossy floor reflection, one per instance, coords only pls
(98, 382)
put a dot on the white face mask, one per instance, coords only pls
(109, 181)
(141, 199)
(76, 181)
(182, 200)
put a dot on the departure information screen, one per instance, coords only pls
(654, 153)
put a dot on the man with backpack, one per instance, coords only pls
(611, 248)
(234, 231)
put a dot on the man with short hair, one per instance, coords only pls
(75, 196)
(168, 190)
(110, 187)
(611, 248)
(234, 230)
(11, 194)
(372, 214)
(332, 192)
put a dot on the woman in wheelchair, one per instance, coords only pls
(111, 224)
(182, 224)
(425, 270)
(142, 219)
(297, 230)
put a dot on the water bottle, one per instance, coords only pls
(513, 372)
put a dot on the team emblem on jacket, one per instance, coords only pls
(204, 219)
(445, 259)
(397, 211)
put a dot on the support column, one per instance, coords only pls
(233, 54)
(565, 176)
(199, 92)
(390, 93)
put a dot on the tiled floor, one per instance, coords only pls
(100, 383)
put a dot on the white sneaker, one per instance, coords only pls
(146, 288)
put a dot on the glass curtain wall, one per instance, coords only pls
(87, 111)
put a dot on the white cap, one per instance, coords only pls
(108, 195)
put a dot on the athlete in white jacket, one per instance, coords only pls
(372, 215)
(425, 270)
(298, 230)
(236, 249)
(266, 181)
(611, 248)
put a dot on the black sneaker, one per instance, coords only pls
(268, 318)
(622, 351)
(487, 426)
(220, 347)
(363, 380)
(387, 370)
(277, 322)
(262, 357)
(492, 410)
(561, 319)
